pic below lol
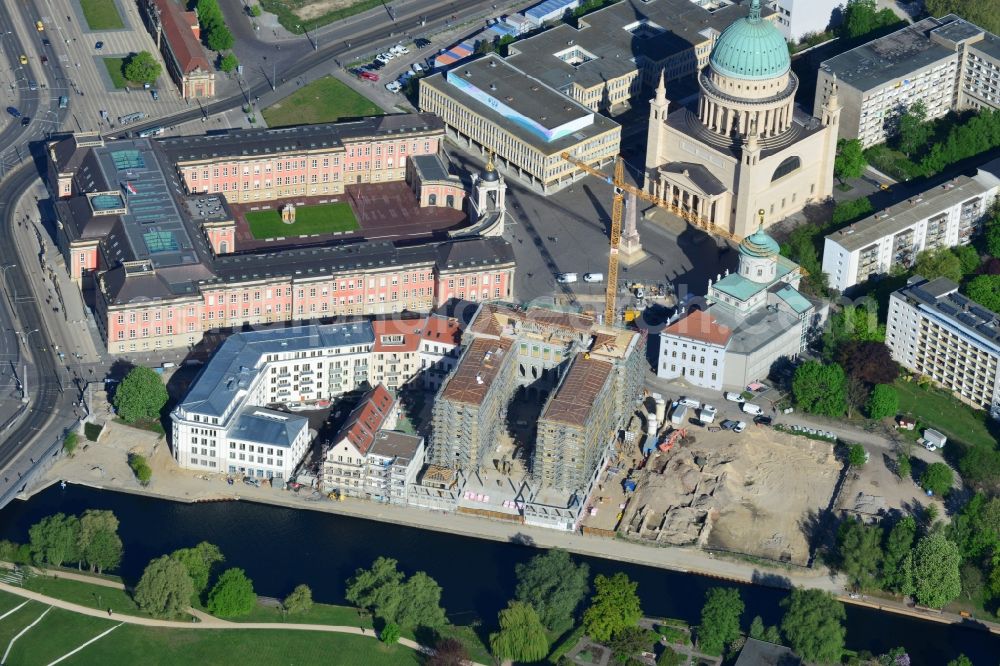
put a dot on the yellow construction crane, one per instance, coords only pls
(617, 211)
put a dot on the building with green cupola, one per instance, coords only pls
(747, 321)
(744, 145)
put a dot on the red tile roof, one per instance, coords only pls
(442, 329)
(409, 329)
(367, 418)
(180, 37)
(700, 325)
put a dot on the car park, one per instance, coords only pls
(566, 278)
(13, 111)
(740, 427)
(369, 76)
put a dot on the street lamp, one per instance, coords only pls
(6, 290)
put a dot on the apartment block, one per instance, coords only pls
(947, 215)
(946, 63)
(344, 466)
(391, 468)
(555, 357)
(934, 331)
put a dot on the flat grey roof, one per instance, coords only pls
(235, 364)
(895, 218)
(988, 45)
(430, 167)
(891, 57)
(261, 142)
(393, 444)
(754, 331)
(668, 27)
(267, 426)
(940, 296)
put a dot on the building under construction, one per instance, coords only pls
(588, 377)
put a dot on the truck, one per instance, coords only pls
(679, 415)
(707, 414)
(750, 408)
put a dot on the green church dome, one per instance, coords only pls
(759, 244)
(751, 49)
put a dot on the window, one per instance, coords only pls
(789, 165)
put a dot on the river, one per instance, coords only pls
(280, 548)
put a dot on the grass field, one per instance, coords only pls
(939, 410)
(102, 14)
(115, 67)
(287, 16)
(324, 100)
(85, 594)
(322, 219)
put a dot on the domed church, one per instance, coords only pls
(745, 147)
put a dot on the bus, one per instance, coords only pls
(152, 131)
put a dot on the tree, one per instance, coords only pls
(856, 455)
(232, 595)
(820, 388)
(448, 652)
(904, 468)
(99, 544)
(897, 560)
(976, 528)
(165, 588)
(228, 63)
(630, 641)
(142, 67)
(69, 442)
(914, 130)
(936, 574)
(300, 600)
(868, 361)
(521, 636)
(256, 11)
(141, 395)
(850, 161)
(968, 258)
(614, 606)
(143, 472)
(851, 210)
(814, 625)
(985, 290)
(937, 478)
(960, 660)
(420, 603)
(757, 628)
(554, 585)
(981, 12)
(219, 38)
(54, 539)
(883, 402)
(389, 634)
(862, 17)
(972, 581)
(939, 263)
(377, 589)
(859, 547)
(199, 562)
(720, 619)
(853, 323)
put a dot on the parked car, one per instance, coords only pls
(99, 45)
(369, 76)
(417, 68)
(593, 277)
(732, 397)
(762, 420)
(740, 427)
(421, 42)
(750, 408)
(728, 424)
(393, 87)
(376, 64)
(690, 402)
(566, 278)
(155, 94)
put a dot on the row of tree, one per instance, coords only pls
(929, 562)
(216, 34)
(90, 540)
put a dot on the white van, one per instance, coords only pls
(750, 408)
(566, 278)
(593, 277)
(732, 397)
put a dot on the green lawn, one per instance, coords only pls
(325, 100)
(58, 633)
(116, 67)
(322, 219)
(152, 425)
(941, 411)
(85, 594)
(102, 14)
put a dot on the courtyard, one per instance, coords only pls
(327, 218)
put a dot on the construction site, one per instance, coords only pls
(715, 489)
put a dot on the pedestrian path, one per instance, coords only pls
(205, 621)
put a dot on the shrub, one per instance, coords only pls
(937, 478)
(70, 441)
(143, 472)
(389, 633)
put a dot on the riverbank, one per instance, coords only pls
(172, 484)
